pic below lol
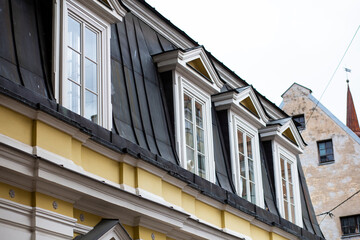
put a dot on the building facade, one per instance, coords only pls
(114, 124)
(330, 161)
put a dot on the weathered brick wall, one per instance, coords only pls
(328, 184)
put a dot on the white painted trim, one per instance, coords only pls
(238, 123)
(99, 21)
(186, 86)
(279, 151)
(231, 100)
(81, 229)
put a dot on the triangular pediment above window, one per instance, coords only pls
(193, 64)
(285, 132)
(289, 134)
(199, 66)
(250, 106)
(110, 10)
(243, 102)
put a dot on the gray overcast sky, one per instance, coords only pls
(274, 43)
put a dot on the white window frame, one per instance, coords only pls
(238, 123)
(101, 26)
(184, 86)
(280, 151)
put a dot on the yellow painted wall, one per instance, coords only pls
(129, 230)
(128, 175)
(46, 202)
(76, 152)
(208, 213)
(52, 139)
(15, 125)
(145, 234)
(89, 219)
(171, 193)
(274, 236)
(258, 233)
(188, 203)
(235, 223)
(148, 181)
(21, 196)
(100, 165)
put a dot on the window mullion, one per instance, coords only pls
(82, 70)
(193, 113)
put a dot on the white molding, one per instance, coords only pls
(177, 60)
(52, 224)
(276, 132)
(82, 229)
(231, 100)
(279, 151)
(94, 14)
(238, 123)
(239, 235)
(15, 214)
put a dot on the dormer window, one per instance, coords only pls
(245, 117)
(194, 80)
(286, 144)
(82, 57)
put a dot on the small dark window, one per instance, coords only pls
(326, 152)
(350, 225)
(299, 121)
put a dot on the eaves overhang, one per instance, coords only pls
(191, 63)
(243, 102)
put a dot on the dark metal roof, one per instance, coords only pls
(142, 123)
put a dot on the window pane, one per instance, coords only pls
(91, 106)
(321, 145)
(328, 144)
(90, 44)
(322, 152)
(252, 192)
(90, 76)
(282, 168)
(286, 209)
(242, 165)
(284, 189)
(292, 213)
(188, 108)
(200, 140)
(289, 172)
(291, 192)
(249, 147)
(251, 170)
(244, 189)
(189, 134)
(240, 142)
(74, 34)
(199, 114)
(329, 151)
(190, 159)
(72, 96)
(73, 65)
(201, 165)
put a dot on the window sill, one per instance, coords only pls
(350, 235)
(326, 163)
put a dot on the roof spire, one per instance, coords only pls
(351, 117)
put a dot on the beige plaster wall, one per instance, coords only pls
(328, 184)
